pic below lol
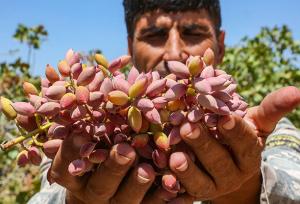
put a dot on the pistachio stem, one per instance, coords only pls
(37, 120)
(89, 111)
(73, 85)
(21, 138)
(37, 143)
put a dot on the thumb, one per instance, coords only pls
(275, 106)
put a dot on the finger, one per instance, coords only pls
(275, 105)
(214, 157)
(243, 140)
(195, 181)
(182, 199)
(136, 186)
(104, 182)
(68, 152)
(159, 196)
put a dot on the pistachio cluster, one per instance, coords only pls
(146, 110)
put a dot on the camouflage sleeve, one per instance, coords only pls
(49, 194)
(281, 166)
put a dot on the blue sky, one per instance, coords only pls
(100, 24)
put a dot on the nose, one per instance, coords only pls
(174, 47)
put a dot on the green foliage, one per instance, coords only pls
(17, 185)
(12, 76)
(32, 36)
(126, 69)
(264, 63)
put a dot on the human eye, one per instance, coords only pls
(194, 33)
(156, 33)
(154, 36)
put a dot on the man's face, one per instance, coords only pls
(160, 37)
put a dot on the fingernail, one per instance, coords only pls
(76, 167)
(179, 161)
(124, 154)
(190, 130)
(144, 171)
(229, 124)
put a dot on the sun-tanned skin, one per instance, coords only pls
(228, 177)
(160, 37)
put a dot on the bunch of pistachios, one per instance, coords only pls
(145, 110)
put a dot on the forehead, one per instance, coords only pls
(167, 19)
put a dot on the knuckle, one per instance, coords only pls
(93, 192)
(186, 175)
(205, 144)
(115, 169)
(205, 192)
(223, 166)
(229, 185)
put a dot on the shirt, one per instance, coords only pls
(280, 169)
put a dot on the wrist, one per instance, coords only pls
(248, 193)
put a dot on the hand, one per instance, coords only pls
(230, 171)
(105, 184)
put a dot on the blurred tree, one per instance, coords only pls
(32, 36)
(264, 63)
(17, 185)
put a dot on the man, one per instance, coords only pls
(159, 31)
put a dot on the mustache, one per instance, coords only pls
(162, 68)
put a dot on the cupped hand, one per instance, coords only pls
(114, 181)
(232, 169)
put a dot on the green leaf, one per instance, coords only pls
(264, 63)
